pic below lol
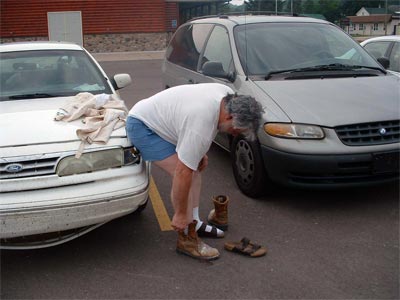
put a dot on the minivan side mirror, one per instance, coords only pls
(215, 69)
(384, 62)
(120, 81)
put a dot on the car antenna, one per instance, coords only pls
(245, 41)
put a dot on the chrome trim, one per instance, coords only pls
(5, 212)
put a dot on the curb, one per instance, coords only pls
(132, 55)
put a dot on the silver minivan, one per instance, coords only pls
(331, 110)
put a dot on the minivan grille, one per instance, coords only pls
(28, 167)
(366, 134)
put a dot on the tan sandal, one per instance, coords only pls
(246, 247)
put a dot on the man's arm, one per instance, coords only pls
(180, 195)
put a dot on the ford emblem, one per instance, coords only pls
(382, 131)
(14, 168)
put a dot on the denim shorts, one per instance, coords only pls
(151, 146)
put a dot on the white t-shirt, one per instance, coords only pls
(186, 116)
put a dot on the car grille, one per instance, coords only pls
(28, 166)
(366, 134)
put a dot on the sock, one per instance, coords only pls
(199, 222)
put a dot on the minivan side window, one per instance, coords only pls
(186, 45)
(218, 49)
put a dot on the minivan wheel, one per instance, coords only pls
(248, 167)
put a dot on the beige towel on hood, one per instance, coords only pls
(102, 114)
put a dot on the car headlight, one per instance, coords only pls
(294, 131)
(97, 160)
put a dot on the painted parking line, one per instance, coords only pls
(158, 206)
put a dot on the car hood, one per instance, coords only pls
(28, 122)
(338, 101)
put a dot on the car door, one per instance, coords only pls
(218, 50)
(182, 55)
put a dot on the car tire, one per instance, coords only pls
(248, 168)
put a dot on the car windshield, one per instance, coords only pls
(266, 48)
(48, 73)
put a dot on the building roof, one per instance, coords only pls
(370, 19)
(376, 10)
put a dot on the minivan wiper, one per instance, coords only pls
(35, 95)
(330, 67)
(353, 67)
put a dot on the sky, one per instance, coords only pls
(237, 2)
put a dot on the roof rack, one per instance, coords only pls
(246, 13)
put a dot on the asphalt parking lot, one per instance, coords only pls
(321, 245)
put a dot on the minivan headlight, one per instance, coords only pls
(294, 131)
(96, 161)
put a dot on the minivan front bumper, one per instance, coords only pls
(336, 170)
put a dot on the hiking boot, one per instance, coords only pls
(193, 246)
(219, 215)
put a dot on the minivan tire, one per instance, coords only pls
(248, 167)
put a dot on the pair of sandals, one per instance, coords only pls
(245, 246)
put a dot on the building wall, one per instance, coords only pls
(368, 29)
(362, 12)
(120, 25)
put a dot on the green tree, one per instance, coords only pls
(330, 9)
(308, 7)
(260, 5)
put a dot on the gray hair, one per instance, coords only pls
(246, 113)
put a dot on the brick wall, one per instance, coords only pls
(119, 25)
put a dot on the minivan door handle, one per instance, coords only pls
(191, 81)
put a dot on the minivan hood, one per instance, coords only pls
(339, 101)
(32, 122)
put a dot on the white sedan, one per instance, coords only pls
(385, 47)
(48, 196)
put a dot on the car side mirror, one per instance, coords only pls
(384, 62)
(121, 80)
(215, 69)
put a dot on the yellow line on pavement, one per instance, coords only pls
(159, 209)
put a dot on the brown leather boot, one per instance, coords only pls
(193, 246)
(219, 215)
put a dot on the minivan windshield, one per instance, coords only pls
(48, 73)
(268, 48)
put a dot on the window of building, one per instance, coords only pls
(376, 26)
(361, 26)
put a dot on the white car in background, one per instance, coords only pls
(385, 47)
(47, 195)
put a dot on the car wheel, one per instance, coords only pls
(248, 167)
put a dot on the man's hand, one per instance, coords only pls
(203, 163)
(179, 222)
